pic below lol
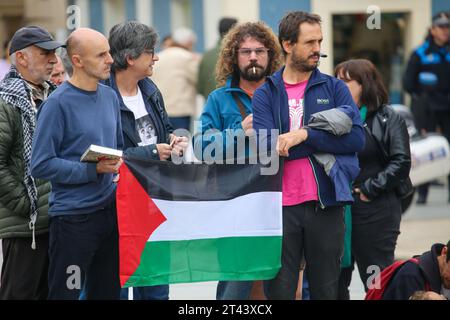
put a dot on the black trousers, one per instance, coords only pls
(319, 235)
(24, 271)
(84, 254)
(375, 229)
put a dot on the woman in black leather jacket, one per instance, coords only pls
(385, 163)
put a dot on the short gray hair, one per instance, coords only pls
(129, 40)
(13, 58)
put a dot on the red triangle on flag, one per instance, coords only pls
(137, 217)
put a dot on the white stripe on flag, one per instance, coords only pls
(255, 214)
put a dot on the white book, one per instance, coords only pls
(96, 153)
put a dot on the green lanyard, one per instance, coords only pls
(363, 113)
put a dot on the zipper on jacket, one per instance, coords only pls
(322, 206)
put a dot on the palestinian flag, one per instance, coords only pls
(197, 222)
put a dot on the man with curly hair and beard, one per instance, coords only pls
(250, 52)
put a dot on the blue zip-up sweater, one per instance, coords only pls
(154, 105)
(69, 121)
(323, 92)
(221, 119)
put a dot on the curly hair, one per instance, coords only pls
(227, 63)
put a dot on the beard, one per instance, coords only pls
(303, 65)
(247, 73)
(98, 74)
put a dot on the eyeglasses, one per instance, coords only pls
(258, 51)
(150, 52)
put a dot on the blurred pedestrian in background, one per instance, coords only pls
(5, 61)
(427, 80)
(59, 72)
(176, 77)
(206, 82)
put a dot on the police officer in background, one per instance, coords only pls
(427, 79)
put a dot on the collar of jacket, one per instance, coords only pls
(380, 117)
(431, 46)
(232, 85)
(429, 265)
(148, 88)
(315, 78)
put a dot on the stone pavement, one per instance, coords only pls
(424, 225)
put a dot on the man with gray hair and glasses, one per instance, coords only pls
(146, 128)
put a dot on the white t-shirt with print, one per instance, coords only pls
(144, 123)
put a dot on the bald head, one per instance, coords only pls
(88, 51)
(81, 39)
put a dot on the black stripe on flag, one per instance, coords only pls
(201, 182)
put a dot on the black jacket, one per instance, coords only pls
(430, 60)
(154, 104)
(412, 277)
(390, 132)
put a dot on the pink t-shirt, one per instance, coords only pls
(299, 183)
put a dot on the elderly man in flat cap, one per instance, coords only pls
(24, 200)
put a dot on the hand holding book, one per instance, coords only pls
(109, 166)
(97, 153)
(108, 160)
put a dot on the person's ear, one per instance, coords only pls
(76, 61)
(21, 58)
(130, 61)
(287, 45)
(444, 252)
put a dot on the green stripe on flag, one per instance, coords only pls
(233, 258)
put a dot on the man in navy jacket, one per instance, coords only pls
(313, 221)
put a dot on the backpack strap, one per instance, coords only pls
(239, 104)
(385, 277)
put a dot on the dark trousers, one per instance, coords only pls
(160, 292)
(234, 290)
(84, 254)
(319, 235)
(374, 241)
(24, 271)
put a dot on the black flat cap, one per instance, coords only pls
(33, 35)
